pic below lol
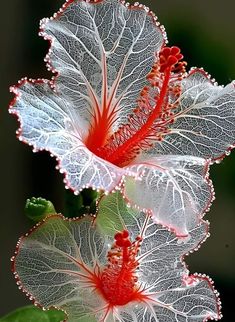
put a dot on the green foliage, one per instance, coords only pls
(37, 209)
(34, 314)
(84, 203)
(111, 211)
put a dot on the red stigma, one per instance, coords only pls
(169, 57)
(122, 239)
(149, 121)
(118, 281)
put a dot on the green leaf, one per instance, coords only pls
(114, 214)
(37, 209)
(34, 314)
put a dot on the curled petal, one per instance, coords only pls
(174, 188)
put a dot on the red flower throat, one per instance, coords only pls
(148, 121)
(118, 281)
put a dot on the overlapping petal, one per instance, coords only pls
(55, 261)
(176, 189)
(204, 120)
(102, 57)
(47, 124)
(102, 52)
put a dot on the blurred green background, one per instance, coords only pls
(205, 31)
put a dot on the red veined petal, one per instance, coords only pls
(59, 262)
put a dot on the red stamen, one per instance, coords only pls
(145, 129)
(118, 282)
(169, 57)
(148, 121)
(132, 138)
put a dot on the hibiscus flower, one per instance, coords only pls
(128, 269)
(121, 112)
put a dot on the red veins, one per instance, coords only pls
(149, 120)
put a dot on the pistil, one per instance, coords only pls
(118, 281)
(148, 121)
(134, 141)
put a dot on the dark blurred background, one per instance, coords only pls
(205, 31)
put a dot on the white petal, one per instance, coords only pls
(53, 264)
(100, 49)
(102, 56)
(47, 124)
(174, 188)
(204, 120)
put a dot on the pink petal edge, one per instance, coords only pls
(149, 211)
(187, 279)
(52, 84)
(213, 82)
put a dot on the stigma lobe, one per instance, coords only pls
(118, 281)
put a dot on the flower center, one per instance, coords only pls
(118, 281)
(148, 121)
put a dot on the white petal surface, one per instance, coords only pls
(175, 295)
(47, 125)
(204, 120)
(53, 262)
(175, 188)
(102, 52)
(49, 264)
(102, 56)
